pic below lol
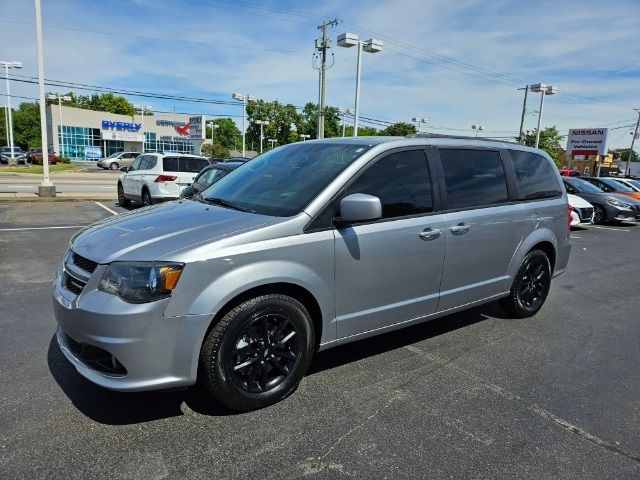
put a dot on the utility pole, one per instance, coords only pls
(633, 141)
(323, 44)
(524, 111)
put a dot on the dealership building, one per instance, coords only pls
(88, 134)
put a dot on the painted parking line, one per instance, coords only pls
(20, 186)
(40, 228)
(113, 212)
(609, 228)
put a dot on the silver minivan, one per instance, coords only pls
(308, 246)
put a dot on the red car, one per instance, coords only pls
(35, 156)
(565, 172)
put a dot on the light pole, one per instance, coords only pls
(272, 142)
(418, 121)
(344, 112)
(59, 98)
(7, 66)
(371, 46)
(244, 99)
(262, 123)
(543, 90)
(142, 109)
(6, 122)
(213, 127)
(633, 141)
(477, 128)
(304, 136)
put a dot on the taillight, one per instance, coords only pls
(569, 208)
(165, 178)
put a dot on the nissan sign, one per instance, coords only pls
(587, 141)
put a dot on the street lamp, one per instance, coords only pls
(262, 123)
(477, 128)
(213, 127)
(371, 46)
(543, 90)
(304, 136)
(418, 121)
(142, 109)
(244, 99)
(7, 66)
(272, 141)
(344, 112)
(59, 98)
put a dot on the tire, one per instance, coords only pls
(122, 200)
(599, 215)
(530, 286)
(240, 363)
(146, 197)
(113, 166)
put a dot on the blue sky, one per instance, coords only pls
(455, 63)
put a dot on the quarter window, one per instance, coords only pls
(536, 176)
(473, 177)
(401, 182)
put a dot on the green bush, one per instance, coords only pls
(64, 160)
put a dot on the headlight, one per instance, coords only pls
(617, 203)
(140, 282)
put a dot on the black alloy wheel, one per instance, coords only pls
(599, 215)
(530, 287)
(258, 352)
(146, 197)
(122, 200)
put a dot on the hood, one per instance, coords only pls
(153, 232)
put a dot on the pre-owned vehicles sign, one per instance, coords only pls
(587, 141)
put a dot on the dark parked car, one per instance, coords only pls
(19, 155)
(607, 207)
(609, 185)
(208, 176)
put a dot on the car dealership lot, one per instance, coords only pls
(470, 395)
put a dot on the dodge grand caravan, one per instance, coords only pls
(309, 246)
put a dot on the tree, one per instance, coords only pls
(309, 126)
(363, 131)
(227, 134)
(622, 154)
(399, 129)
(214, 150)
(550, 141)
(26, 125)
(284, 122)
(105, 102)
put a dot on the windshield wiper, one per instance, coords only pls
(224, 203)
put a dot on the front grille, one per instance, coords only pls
(84, 263)
(74, 285)
(586, 213)
(95, 358)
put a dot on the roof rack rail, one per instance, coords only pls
(458, 137)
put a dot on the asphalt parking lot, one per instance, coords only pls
(472, 395)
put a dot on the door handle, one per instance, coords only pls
(460, 229)
(429, 233)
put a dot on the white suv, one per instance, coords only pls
(154, 177)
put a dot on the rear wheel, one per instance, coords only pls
(530, 286)
(599, 215)
(122, 200)
(146, 197)
(113, 166)
(258, 352)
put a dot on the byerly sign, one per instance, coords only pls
(587, 141)
(196, 127)
(122, 126)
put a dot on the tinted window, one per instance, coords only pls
(583, 185)
(473, 177)
(401, 182)
(284, 180)
(170, 164)
(184, 164)
(136, 164)
(535, 175)
(212, 176)
(615, 186)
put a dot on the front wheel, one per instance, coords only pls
(113, 166)
(599, 215)
(258, 352)
(530, 286)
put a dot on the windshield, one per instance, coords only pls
(584, 186)
(283, 181)
(8, 149)
(620, 187)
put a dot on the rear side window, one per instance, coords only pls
(401, 182)
(473, 178)
(535, 175)
(148, 162)
(170, 164)
(184, 164)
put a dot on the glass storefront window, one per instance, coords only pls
(72, 140)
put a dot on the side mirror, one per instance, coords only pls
(360, 207)
(124, 169)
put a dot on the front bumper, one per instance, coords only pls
(150, 351)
